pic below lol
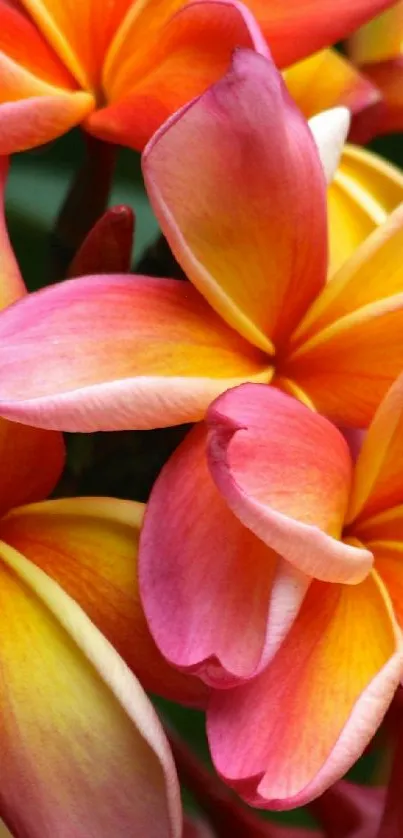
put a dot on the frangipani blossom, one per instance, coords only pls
(244, 211)
(377, 49)
(122, 70)
(82, 750)
(285, 473)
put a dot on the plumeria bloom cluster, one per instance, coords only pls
(263, 581)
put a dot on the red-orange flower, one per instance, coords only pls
(121, 68)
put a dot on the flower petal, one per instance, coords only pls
(252, 225)
(11, 282)
(79, 32)
(31, 463)
(365, 190)
(217, 600)
(349, 348)
(117, 352)
(378, 476)
(21, 42)
(297, 28)
(89, 546)
(286, 736)
(83, 752)
(330, 129)
(286, 472)
(155, 81)
(327, 79)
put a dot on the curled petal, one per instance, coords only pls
(285, 471)
(117, 352)
(82, 749)
(39, 119)
(237, 186)
(286, 736)
(330, 129)
(217, 599)
(89, 546)
(145, 86)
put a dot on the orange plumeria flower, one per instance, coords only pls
(120, 68)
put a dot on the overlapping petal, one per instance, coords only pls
(297, 28)
(286, 473)
(237, 187)
(378, 484)
(129, 352)
(380, 39)
(164, 67)
(387, 75)
(89, 546)
(217, 599)
(327, 79)
(284, 737)
(82, 749)
(349, 347)
(365, 190)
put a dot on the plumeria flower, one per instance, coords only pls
(82, 750)
(121, 70)
(237, 184)
(285, 475)
(377, 49)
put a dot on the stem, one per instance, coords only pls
(85, 202)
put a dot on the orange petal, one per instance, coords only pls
(380, 39)
(89, 546)
(131, 352)
(287, 735)
(83, 752)
(297, 28)
(21, 42)
(33, 112)
(80, 33)
(31, 463)
(327, 79)
(155, 81)
(11, 283)
(365, 189)
(243, 210)
(378, 476)
(349, 347)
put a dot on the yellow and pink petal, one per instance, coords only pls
(118, 352)
(286, 473)
(218, 601)
(244, 209)
(82, 749)
(89, 547)
(285, 737)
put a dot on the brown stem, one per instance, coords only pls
(85, 202)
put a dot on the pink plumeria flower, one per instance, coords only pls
(251, 507)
